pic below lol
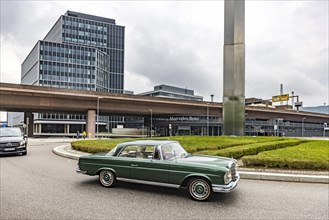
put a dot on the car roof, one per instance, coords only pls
(146, 142)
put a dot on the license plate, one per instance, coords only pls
(9, 149)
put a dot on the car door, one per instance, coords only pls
(122, 163)
(150, 167)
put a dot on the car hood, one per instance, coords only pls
(10, 139)
(210, 161)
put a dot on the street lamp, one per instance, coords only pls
(208, 119)
(151, 121)
(98, 98)
(324, 129)
(303, 126)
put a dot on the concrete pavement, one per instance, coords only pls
(65, 150)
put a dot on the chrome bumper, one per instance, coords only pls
(226, 188)
(81, 171)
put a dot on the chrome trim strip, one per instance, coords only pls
(148, 182)
(81, 171)
(226, 188)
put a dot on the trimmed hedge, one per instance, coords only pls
(253, 149)
(270, 152)
(95, 146)
(192, 144)
(312, 155)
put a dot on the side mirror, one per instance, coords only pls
(25, 136)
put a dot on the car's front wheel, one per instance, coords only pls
(107, 178)
(199, 189)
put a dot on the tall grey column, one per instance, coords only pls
(234, 69)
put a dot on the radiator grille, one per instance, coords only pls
(9, 145)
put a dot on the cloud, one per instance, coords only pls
(181, 43)
(288, 43)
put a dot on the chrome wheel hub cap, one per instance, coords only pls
(200, 189)
(106, 178)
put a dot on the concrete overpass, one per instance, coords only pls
(28, 99)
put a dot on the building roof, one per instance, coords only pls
(89, 17)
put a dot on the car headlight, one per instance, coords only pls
(227, 177)
(22, 143)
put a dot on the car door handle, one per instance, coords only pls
(134, 165)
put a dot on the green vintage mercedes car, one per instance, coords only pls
(162, 163)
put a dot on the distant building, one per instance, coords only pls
(257, 101)
(166, 91)
(318, 109)
(15, 118)
(82, 52)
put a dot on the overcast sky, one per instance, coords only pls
(180, 43)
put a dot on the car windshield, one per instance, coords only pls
(172, 150)
(10, 132)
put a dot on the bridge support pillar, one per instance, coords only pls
(90, 123)
(28, 120)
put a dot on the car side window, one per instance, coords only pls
(167, 151)
(129, 151)
(145, 152)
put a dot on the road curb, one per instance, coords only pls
(284, 177)
(64, 152)
(67, 152)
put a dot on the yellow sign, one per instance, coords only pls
(280, 98)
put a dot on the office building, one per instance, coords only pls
(166, 91)
(81, 52)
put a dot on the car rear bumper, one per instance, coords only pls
(226, 188)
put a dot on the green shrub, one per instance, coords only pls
(95, 146)
(192, 144)
(312, 155)
(252, 149)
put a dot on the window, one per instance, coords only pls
(129, 151)
(172, 150)
(145, 152)
(112, 152)
(140, 151)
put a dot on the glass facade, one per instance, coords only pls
(82, 52)
(67, 66)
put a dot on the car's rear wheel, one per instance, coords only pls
(107, 178)
(199, 189)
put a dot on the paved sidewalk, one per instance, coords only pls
(65, 150)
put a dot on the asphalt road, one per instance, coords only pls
(42, 185)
